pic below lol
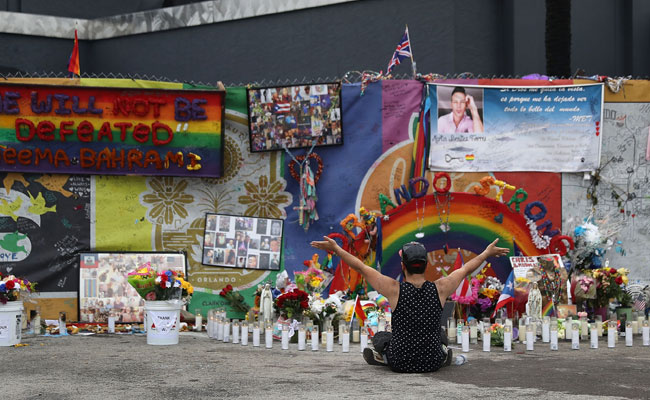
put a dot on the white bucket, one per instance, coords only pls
(163, 319)
(10, 323)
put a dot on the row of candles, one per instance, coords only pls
(221, 328)
(575, 331)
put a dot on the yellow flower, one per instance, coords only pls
(625, 280)
(623, 271)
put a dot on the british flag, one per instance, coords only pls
(402, 51)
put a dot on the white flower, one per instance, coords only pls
(168, 284)
(177, 283)
(317, 306)
(158, 280)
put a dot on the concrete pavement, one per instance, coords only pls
(124, 366)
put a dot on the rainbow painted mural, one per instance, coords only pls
(474, 221)
(111, 131)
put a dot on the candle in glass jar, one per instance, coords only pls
(219, 334)
(363, 340)
(111, 322)
(256, 334)
(645, 331)
(584, 328)
(208, 327)
(459, 331)
(594, 336)
(530, 340)
(553, 330)
(314, 338)
(611, 334)
(465, 338)
(451, 328)
(244, 334)
(473, 331)
(575, 335)
(329, 335)
(36, 322)
(599, 325)
(355, 331)
(226, 331)
(628, 334)
(198, 320)
(507, 338)
(285, 337)
(341, 324)
(486, 338)
(235, 332)
(546, 329)
(346, 338)
(522, 329)
(568, 331)
(268, 335)
(301, 338)
(63, 328)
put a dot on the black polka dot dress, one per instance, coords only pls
(415, 343)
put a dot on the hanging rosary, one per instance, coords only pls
(420, 220)
(443, 208)
(307, 213)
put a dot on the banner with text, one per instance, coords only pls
(488, 128)
(111, 131)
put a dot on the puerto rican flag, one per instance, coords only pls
(402, 51)
(464, 288)
(508, 294)
(282, 107)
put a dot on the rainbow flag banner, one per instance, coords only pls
(111, 130)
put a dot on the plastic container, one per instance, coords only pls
(11, 323)
(163, 320)
(460, 359)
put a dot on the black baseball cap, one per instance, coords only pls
(414, 254)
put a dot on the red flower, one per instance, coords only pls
(10, 285)
(229, 287)
(304, 304)
(619, 280)
(612, 271)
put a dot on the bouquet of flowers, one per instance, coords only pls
(235, 299)
(11, 288)
(591, 242)
(610, 284)
(496, 335)
(292, 304)
(312, 280)
(488, 295)
(166, 285)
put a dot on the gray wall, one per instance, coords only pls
(504, 37)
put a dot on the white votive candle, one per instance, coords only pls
(256, 335)
(546, 329)
(629, 336)
(226, 331)
(285, 337)
(235, 332)
(301, 338)
(486, 339)
(244, 334)
(553, 342)
(465, 338)
(111, 324)
(645, 330)
(530, 337)
(363, 340)
(314, 339)
(575, 335)
(346, 339)
(219, 328)
(329, 339)
(507, 338)
(611, 334)
(268, 337)
(594, 336)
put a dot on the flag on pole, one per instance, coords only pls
(508, 293)
(358, 310)
(73, 64)
(464, 289)
(402, 51)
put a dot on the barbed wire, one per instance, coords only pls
(348, 77)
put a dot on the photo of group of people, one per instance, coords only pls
(242, 242)
(103, 286)
(294, 116)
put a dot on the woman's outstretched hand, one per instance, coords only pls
(493, 251)
(328, 244)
